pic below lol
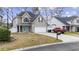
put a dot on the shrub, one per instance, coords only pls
(4, 34)
(3, 26)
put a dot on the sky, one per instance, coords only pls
(71, 11)
(67, 11)
(16, 11)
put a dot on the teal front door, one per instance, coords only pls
(25, 29)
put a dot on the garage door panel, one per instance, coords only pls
(40, 29)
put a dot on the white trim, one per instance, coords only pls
(39, 16)
(26, 14)
(23, 20)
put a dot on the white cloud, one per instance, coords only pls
(74, 12)
(52, 8)
(70, 13)
(67, 13)
(74, 7)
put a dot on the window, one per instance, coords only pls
(26, 20)
(40, 19)
(77, 21)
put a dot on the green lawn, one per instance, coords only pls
(72, 33)
(25, 40)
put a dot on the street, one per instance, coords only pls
(58, 47)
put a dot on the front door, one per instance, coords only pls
(67, 28)
(25, 29)
(77, 29)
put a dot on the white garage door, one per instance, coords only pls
(40, 29)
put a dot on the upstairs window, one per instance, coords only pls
(26, 20)
(40, 19)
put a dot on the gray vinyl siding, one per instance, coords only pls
(19, 20)
(35, 23)
(33, 28)
(39, 24)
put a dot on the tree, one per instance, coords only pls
(22, 9)
(50, 12)
(7, 13)
(1, 14)
(1, 11)
(35, 10)
(45, 10)
(56, 11)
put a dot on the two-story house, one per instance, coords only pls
(29, 22)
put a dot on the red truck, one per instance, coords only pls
(59, 30)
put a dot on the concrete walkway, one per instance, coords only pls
(64, 38)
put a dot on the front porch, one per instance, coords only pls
(21, 28)
(24, 27)
(67, 28)
(73, 28)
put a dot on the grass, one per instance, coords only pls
(25, 40)
(72, 33)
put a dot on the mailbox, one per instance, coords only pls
(59, 33)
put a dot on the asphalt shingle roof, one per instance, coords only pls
(65, 19)
(30, 13)
(33, 16)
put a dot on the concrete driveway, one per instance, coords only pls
(64, 38)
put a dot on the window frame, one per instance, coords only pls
(25, 21)
(40, 20)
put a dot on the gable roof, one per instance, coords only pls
(1, 16)
(20, 14)
(35, 17)
(30, 13)
(65, 19)
(38, 15)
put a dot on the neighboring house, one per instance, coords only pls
(55, 22)
(68, 23)
(29, 22)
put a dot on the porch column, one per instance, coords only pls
(19, 28)
(73, 28)
(65, 27)
(76, 29)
